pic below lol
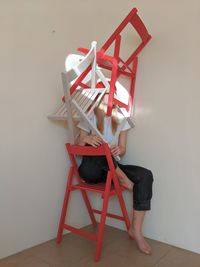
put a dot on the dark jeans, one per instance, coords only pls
(93, 169)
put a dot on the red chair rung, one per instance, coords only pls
(80, 232)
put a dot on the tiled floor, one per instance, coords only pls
(118, 251)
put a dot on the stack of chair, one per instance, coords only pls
(85, 82)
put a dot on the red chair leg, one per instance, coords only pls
(103, 218)
(64, 208)
(86, 200)
(122, 205)
(132, 85)
(113, 76)
(123, 209)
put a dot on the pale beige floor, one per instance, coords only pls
(118, 251)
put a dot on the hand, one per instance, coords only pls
(93, 140)
(115, 150)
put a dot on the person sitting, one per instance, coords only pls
(93, 169)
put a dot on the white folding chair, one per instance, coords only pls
(80, 91)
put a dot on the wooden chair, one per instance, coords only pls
(82, 97)
(116, 64)
(107, 190)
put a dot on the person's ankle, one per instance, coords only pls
(142, 244)
(135, 230)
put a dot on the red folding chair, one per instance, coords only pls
(116, 64)
(110, 188)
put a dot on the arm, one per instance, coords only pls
(87, 138)
(120, 149)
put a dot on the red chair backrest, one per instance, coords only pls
(102, 150)
(139, 26)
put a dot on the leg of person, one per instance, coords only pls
(135, 232)
(123, 179)
(102, 164)
(142, 194)
(91, 170)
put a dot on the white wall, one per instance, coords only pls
(33, 161)
(167, 114)
(35, 38)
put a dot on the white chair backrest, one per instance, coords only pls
(75, 65)
(82, 99)
(72, 60)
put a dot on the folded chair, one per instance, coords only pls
(72, 60)
(106, 190)
(80, 91)
(116, 64)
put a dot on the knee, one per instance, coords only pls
(150, 176)
(147, 178)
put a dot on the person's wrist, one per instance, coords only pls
(85, 140)
(121, 151)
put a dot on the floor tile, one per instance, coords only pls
(179, 258)
(19, 257)
(71, 249)
(128, 250)
(24, 262)
(118, 250)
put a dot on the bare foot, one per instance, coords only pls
(142, 244)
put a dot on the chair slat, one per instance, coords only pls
(86, 150)
(90, 100)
